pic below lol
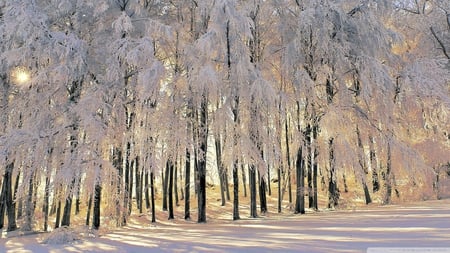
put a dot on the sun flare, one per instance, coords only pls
(20, 75)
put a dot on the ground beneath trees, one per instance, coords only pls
(422, 224)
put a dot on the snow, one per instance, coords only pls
(422, 226)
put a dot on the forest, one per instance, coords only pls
(111, 108)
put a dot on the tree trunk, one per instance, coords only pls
(300, 176)
(244, 180)
(152, 191)
(220, 168)
(67, 208)
(288, 159)
(363, 165)
(227, 189)
(170, 188)
(280, 196)
(268, 181)
(45, 206)
(118, 164)
(141, 193)
(333, 191)
(165, 180)
(147, 189)
(366, 193)
(203, 138)
(58, 215)
(6, 200)
(374, 166)
(187, 186)
(262, 194)
(89, 207)
(16, 187)
(97, 202)
(235, 191)
(388, 178)
(138, 184)
(252, 185)
(175, 184)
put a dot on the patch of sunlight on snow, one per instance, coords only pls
(378, 229)
(132, 239)
(312, 237)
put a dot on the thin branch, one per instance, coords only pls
(444, 50)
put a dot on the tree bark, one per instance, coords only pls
(170, 188)
(165, 180)
(58, 215)
(152, 192)
(97, 202)
(244, 180)
(333, 191)
(300, 178)
(252, 185)
(88, 214)
(67, 208)
(203, 138)
(6, 200)
(235, 191)
(262, 194)
(147, 189)
(187, 186)
(220, 168)
(45, 206)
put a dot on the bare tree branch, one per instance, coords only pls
(444, 50)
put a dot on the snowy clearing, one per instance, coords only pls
(423, 224)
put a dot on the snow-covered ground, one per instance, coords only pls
(424, 224)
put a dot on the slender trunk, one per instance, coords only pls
(187, 186)
(175, 184)
(333, 191)
(16, 187)
(279, 189)
(220, 168)
(300, 178)
(89, 207)
(315, 202)
(141, 191)
(288, 159)
(244, 180)
(388, 178)
(202, 161)
(366, 193)
(268, 181)
(6, 200)
(130, 187)
(152, 191)
(30, 206)
(170, 188)
(165, 180)
(362, 163)
(147, 189)
(58, 214)
(118, 164)
(2, 206)
(227, 189)
(67, 208)
(137, 186)
(77, 202)
(45, 206)
(262, 194)
(235, 191)
(127, 188)
(97, 201)
(374, 166)
(252, 185)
